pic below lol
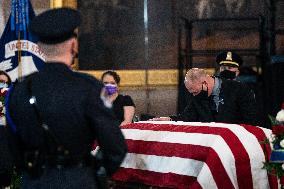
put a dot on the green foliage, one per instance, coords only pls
(273, 120)
(274, 168)
(16, 181)
(278, 139)
(2, 99)
(266, 141)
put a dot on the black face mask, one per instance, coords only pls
(203, 95)
(227, 74)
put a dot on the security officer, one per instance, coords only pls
(56, 114)
(229, 63)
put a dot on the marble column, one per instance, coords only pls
(2, 18)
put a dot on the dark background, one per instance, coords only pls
(113, 33)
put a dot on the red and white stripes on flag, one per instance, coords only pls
(196, 155)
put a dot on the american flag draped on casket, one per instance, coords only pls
(196, 155)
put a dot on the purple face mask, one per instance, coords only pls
(110, 89)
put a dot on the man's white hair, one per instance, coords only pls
(195, 74)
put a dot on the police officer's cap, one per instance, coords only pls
(55, 25)
(229, 58)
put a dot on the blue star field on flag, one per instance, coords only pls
(19, 53)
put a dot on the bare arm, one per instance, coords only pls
(129, 112)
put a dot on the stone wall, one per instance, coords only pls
(162, 100)
(113, 37)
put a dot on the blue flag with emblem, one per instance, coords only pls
(19, 53)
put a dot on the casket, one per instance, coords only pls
(196, 155)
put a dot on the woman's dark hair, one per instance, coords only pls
(113, 74)
(9, 79)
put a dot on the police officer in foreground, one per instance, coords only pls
(229, 63)
(56, 114)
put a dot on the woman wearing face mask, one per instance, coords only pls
(5, 80)
(123, 105)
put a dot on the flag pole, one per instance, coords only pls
(19, 47)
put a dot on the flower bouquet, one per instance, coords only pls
(16, 179)
(275, 165)
(3, 93)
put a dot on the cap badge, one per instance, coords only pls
(229, 56)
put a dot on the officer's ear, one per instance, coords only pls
(74, 47)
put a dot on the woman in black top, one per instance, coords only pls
(123, 105)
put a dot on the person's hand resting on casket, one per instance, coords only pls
(161, 119)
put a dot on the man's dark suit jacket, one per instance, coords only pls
(237, 105)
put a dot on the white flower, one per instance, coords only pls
(2, 120)
(282, 166)
(280, 116)
(282, 143)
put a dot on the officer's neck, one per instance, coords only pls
(64, 59)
